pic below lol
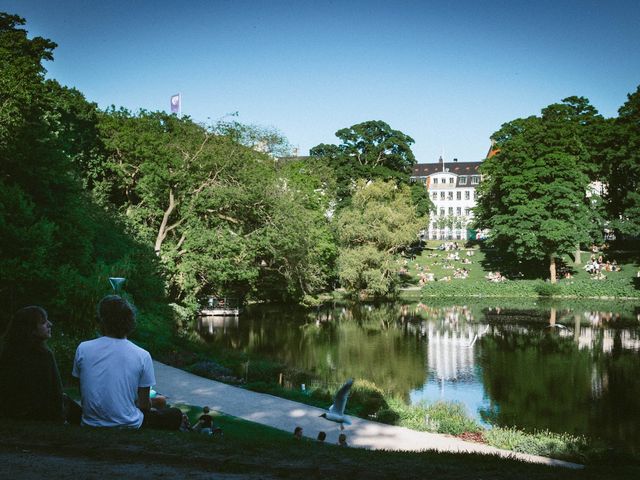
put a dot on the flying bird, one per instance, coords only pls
(336, 411)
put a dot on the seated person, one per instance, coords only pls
(205, 423)
(116, 375)
(31, 386)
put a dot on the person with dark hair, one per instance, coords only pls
(116, 375)
(29, 376)
(322, 436)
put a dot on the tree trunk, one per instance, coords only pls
(552, 317)
(162, 231)
(552, 268)
(576, 259)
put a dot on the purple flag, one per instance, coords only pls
(175, 103)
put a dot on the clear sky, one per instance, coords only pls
(447, 73)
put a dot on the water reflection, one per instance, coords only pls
(571, 368)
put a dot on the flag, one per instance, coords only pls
(175, 103)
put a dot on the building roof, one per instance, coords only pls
(459, 168)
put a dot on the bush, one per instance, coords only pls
(366, 399)
(545, 443)
(214, 371)
(546, 289)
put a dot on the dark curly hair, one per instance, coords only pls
(117, 316)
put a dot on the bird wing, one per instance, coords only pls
(340, 400)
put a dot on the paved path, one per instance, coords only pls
(184, 387)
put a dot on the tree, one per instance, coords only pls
(223, 217)
(533, 198)
(621, 168)
(56, 248)
(380, 221)
(370, 150)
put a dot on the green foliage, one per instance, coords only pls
(544, 443)
(547, 289)
(381, 220)
(439, 417)
(57, 249)
(370, 150)
(620, 159)
(223, 217)
(533, 198)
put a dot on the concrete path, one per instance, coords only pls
(184, 387)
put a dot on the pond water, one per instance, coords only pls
(565, 367)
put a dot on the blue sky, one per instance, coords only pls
(447, 73)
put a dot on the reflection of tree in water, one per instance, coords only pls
(565, 380)
(535, 381)
(367, 342)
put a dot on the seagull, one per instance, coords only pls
(336, 411)
(556, 325)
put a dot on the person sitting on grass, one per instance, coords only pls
(297, 433)
(205, 423)
(116, 375)
(31, 385)
(342, 440)
(322, 436)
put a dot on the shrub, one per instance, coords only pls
(545, 443)
(545, 289)
(366, 399)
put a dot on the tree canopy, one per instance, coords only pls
(533, 198)
(621, 168)
(369, 150)
(380, 221)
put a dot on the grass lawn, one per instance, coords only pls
(522, 280)
(252, 450)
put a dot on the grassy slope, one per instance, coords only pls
(618, 284)
(248, 448)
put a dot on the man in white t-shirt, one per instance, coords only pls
(116, 375)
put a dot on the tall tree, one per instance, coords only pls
(534, 195)
(56, 248)
(621, 166)
(370, 150)
(380, 221)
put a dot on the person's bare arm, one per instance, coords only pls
(144, 403)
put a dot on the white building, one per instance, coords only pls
(452, 189)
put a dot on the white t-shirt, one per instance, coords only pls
(110, 371)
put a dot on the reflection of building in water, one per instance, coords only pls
(450, 352)
(211, 325)
(605, 339)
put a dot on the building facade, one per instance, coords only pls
(452, 189)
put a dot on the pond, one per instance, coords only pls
(566, 367)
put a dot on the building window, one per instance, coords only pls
(449, 195)
(412, 180)
(475, 194)
(458, 211)
(475, 179)
(423, 180)
(451, 179)
(467, 211)
(435, 181)
(463, 180)
(441, 195)
(458, 195)
(434, 195)
(450, 210)
(466, 195)
(442, 212)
